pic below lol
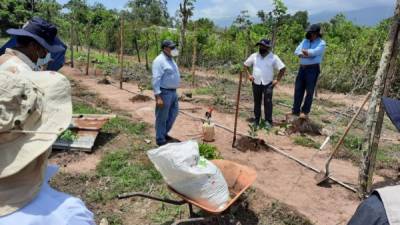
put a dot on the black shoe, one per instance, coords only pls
(171, 139)
(161, 144)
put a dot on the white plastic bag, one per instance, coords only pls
(191, 175)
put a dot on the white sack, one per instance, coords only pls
(191, 175)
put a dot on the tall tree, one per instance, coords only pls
(274, 18)
(374, 121)
(186, 8)
(243, 22)
(150, 12)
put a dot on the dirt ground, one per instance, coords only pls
(278, 176)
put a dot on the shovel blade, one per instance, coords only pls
(321, 177)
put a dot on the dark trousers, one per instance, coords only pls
(306, 81)
(260, 91)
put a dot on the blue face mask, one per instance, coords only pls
(43, 61)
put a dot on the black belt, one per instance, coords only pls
(309, 66)
(168, 89)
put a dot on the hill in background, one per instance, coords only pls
(365, 17)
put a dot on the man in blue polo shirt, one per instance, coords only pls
(166, 79)
(310, 51)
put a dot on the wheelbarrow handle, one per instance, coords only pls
(145, 195)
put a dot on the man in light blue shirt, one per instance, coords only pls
(166, 79)
(310, 51)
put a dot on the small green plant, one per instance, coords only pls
(264, 125)
(209, 152)
(68, 135)
(253, 130)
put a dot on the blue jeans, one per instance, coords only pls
(166, 116)
(306, 81)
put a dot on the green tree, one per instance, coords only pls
(274, 18)
(186, 8)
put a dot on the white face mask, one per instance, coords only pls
(43, 61)
(175, 52)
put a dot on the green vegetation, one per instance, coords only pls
(348, 65)
(387, 156)
(68, 136)
(124, 175)
(119, 124)
(81, 108)
(208, 151)
(204, 91)
(306, 142)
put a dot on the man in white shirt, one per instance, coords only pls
(264, 63)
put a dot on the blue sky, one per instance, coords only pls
(228, 9)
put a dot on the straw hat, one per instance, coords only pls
(34, 108)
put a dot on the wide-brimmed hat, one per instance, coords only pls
(314, 28)
(42, 31)
(264, 42)
(34, 108)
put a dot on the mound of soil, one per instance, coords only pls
(140, 98)
(245, 144)
(106, 80)
(303, 126)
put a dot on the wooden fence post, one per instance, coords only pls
(374, 120)
(121, 52)
(194, 58)
(71, 47)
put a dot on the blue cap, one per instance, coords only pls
(41, 31)
(264, 42)
(168, 44)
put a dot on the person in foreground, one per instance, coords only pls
(382, 207)
(310, 51)
(264, 63)
(34, 42)
(35, 107)
(166, 79)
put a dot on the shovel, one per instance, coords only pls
(323, 176)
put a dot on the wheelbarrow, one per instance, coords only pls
(238, 177)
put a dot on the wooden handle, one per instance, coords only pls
(346, 131)
(237, 108)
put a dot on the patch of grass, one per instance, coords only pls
(80, 108)
(278, 112)
(204, 91)
(209, 152)
(114, 219)
(388, 156)
(328, 103)
(306, 142)
(286, 100)
(118, 124)
(351, 142)
(124, 175)
(281, 214)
